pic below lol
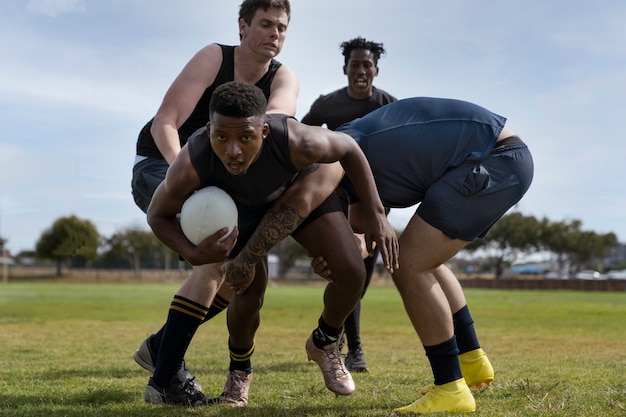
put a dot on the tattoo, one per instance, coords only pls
(239, 275)
(276, 225)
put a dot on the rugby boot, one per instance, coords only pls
(476, 368)
(453, 397)
(236, 389)
(336, 377)
(181, 391)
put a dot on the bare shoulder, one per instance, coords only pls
(298, 131)
(211, 49)
(208, 60)
(284, 72)
(306, 143)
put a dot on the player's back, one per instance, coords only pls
(412, 142)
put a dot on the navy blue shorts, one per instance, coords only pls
(147, 175)
(468, 199)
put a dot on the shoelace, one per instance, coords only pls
(189, 386)
(335, 360)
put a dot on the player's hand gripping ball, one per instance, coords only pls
(205, 212)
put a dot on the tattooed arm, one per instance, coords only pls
(308, 192)
(277, 224)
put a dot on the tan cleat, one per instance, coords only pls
(476, 368)
(336, 376)
(236, 389)
(453, 397)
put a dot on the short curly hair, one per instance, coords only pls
(238, 99)
(361, 43)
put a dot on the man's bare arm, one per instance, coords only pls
(297, 202)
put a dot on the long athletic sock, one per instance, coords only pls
(218, 305)
(444, 361)
(466, 338)
(352, 328)
(352, 325)
(183, 320)
(324, 334)
(240, 359)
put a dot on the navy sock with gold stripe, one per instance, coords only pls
(219, 304)
(240, 358)
(183, 320)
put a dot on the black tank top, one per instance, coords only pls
(200, 115)
(266, 179)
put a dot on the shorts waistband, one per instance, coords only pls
(511, 140)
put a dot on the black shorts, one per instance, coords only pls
(249, 220)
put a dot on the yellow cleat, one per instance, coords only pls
(476, 368)
(453, 397)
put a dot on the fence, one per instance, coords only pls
(546, 284)
(21, 274)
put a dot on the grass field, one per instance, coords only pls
(66, 350)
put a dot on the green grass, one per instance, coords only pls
(66, 350)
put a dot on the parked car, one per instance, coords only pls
(556, 275)
(526, 269)
(617, 274)
(588, 274)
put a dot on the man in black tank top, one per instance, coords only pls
(262, 29)
(243, 144)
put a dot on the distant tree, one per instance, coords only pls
(135, 248)
(3, 252)
(67, 238)
(588, 246)
(4, 255)
(557, 238)
(575, 248)
(511, 234)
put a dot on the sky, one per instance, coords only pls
(79, 78)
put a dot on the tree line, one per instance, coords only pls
(75, 243)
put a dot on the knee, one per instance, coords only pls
(247, 304)
(349, 272)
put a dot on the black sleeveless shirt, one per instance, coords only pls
(200, 115)
(266, 179)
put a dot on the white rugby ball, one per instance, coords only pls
(205, 212)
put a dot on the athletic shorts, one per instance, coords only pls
(147, 175)
(468, 199)
(249, 220)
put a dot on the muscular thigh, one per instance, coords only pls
(331, 237)
(423, 247)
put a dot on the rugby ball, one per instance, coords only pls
(205, 212)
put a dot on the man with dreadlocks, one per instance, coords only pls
(341, 106)
(360, 96)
